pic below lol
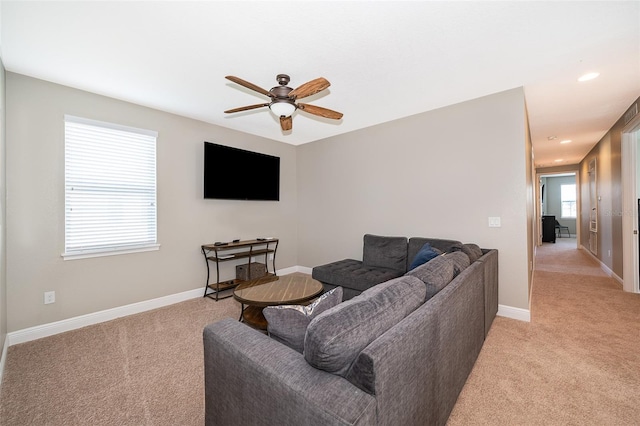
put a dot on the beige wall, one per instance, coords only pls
(532, 228)
(3, 210)
(607, 153)
(35, 207)
(437, 174)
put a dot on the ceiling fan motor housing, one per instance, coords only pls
(283, 79)
(281, 96)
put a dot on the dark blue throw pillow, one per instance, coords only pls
(425, 254)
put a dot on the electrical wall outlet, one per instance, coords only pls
(494, 222)
(49, 297)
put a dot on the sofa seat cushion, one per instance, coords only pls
(385, 252)
(353, 274)
(335, 338)
(288, 323)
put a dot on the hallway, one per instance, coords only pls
(576, 363)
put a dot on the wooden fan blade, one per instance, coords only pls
(309, 88)
(245, 108)
(322, 112)
(286, 123)
(248, 85)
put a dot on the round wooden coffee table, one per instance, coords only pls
(273, 290)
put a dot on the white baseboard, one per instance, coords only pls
(45, 330)
(3, 359)
(514, 313)
(604, 267)
(304, 270)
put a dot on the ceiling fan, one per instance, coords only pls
(283, 99)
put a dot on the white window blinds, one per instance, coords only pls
(110, 188)
(568, 200)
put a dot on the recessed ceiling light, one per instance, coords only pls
(559, 160)
(589, 76)
(552, 138)
(566, 141)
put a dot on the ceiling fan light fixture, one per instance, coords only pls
(282, 108)
(589, 76)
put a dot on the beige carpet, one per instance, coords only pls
(576, 363)
(145, 369)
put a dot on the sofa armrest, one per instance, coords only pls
(489, 261)
(254, 380)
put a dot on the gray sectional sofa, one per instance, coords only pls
(399, 353)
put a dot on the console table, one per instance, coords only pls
(216, 253)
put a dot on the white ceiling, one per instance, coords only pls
(385, 59)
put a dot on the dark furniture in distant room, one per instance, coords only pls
(548, 229)
(560, 228)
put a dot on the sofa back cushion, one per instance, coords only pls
(385, 252)
(435, 274)
(335, 338)
(288, 323)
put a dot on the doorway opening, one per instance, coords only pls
(631, 205)
(558, 207)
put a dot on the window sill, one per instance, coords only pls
(101, 253)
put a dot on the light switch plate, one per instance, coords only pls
(494, 222)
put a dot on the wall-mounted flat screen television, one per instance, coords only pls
(238, 174)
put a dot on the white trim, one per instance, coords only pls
(514, 313)
(604, 267)
(304, 270)
(630, 247)
(3, 358)
(101, 253)
(113, 126)
(50, 329)
(45, 330)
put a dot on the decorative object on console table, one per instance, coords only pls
(251, 271)
(248, 249)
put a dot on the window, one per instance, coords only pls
(110, 189)
(568, 199)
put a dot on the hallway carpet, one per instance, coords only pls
(576, 363)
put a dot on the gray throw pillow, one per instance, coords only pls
(473, 251)
(460, 261)
(288, 323)
(336, 337)
(435, 274)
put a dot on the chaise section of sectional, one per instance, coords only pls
(352, 275)
(383, 258)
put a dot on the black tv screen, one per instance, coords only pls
(237, 174)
